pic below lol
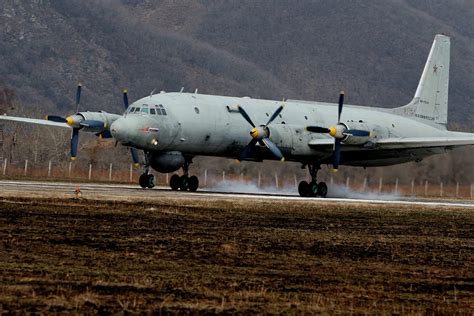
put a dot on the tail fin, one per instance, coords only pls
(430, 103)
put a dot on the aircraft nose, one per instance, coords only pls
(118, 130)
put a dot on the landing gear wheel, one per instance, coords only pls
(304, 189)
(322, 189)
(193, 183)
(150, 181)
(147, 180)
(314, 189)
(184, 183)
(143, 180)
(175, 182)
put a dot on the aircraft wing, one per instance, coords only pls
(426, 142)
(33, 121)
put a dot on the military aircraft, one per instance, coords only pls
(172, 128)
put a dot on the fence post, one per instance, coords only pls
(364, 185)
(457, 189)
(223, 176)
(296, 180)
(241, 177)
(26, 166)
(90, 171)
(167, 179)
(5, 166)
(412, 187)
(205, 177)
(426, 187)
(472, 190)
(70, 168)
(380, 184)
(331, 181)
(276, 180)
(348, 180)
(396, 186)
(49, 169)
(259, 179)
(110, 172)
(131, 173)
(441, 189)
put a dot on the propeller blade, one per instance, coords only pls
(273, 148)
(78, 96)
(341, 104)
(92, 123)
(135, 159)
(247, 151)
(274, 115)
(336, 154)
(245, 115)
(357, 132)
(125, 98)
(74, 142)
(318, 129)
(56, 118)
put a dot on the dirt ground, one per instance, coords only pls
(234, 256)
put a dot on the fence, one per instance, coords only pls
(123, 173)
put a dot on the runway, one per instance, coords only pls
(125, 192)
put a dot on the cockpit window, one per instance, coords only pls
(145, 110)
(152, 111)
(137, 109)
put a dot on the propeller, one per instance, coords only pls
(260, 134)
(133, 150)
(340, 132)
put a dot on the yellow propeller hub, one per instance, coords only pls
(69, 121)
(254, 132)
(332, 131)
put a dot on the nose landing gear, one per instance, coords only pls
(146, 180)
(313, 188)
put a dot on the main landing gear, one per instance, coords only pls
(184, 182)
(313, 189)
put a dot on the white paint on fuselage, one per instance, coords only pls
(212, 130)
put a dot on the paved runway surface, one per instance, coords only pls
(124, 192)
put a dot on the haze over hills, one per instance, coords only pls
(267, 49)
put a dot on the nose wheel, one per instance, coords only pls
(313, 188)
(147, 180)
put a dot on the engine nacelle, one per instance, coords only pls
(166, 162)
(355, 140)
(92, 122)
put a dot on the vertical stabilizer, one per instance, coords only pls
(430, 103)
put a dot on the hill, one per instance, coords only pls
(292, 49)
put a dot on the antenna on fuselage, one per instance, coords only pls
(182, 89)
(152, 91)
(196, 91)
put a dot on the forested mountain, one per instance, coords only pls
(270, 49)
(298, 49)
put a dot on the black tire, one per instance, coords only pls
(150, 181)
(184, 183)
(193, 183)
(304, 189)
(313, 189)
(175, 182)
(322, 189)
(143, 180)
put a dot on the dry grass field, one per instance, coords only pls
(233, 256)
